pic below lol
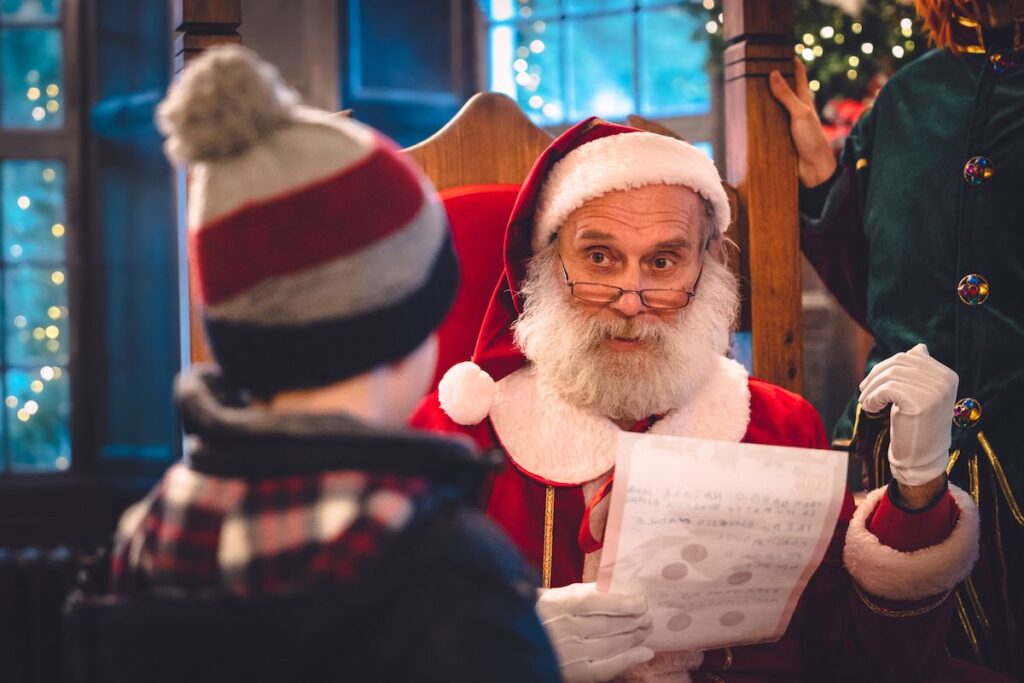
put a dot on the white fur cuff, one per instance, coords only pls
(889, 573)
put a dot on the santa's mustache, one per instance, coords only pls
(596, 331)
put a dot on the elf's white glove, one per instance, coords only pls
(922, 392)
(596, 636)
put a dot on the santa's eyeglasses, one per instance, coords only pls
(660, 299)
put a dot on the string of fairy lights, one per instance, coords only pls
(842, 52)
(42, 327)
(47, 334)
(36, 94)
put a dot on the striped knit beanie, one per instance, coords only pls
(319, 251)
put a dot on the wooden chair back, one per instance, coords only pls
(490, 141)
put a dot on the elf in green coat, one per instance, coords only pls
(918, 231)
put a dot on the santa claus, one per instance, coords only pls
(614, 313)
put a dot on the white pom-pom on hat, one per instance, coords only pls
(226, 101)
(466, 393)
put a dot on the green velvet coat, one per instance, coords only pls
(894, 233)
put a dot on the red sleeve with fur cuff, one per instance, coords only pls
(907, 531)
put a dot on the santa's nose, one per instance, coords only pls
(629, 304)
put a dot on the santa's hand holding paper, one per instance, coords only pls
(597, 636)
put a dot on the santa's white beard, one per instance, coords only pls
(568, 346)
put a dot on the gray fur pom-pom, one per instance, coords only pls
(227, 100)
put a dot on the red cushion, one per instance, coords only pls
(478, 215)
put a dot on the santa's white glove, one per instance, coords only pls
(922, 392)
(596, 636)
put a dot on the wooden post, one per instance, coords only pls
(761, 165)
(199, 24)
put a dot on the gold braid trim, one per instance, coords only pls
(972, 594)
(965, 623)
(1002, 557)
(897, 613)
(880, 459)
(728, 659)
(975, 48)
(953, 457)
(997, 469)
(972, 477)
(714, 677)
(549, 536)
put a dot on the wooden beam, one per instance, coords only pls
(200, 24)
(761, 165)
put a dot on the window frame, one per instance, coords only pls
(65, 144)
(78, 505)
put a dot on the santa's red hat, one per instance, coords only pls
(590, 159)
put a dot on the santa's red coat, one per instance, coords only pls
(886, 624)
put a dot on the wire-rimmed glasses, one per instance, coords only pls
(659, 299)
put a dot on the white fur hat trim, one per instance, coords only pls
(466, 393)
(622, 162)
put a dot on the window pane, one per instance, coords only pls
(707, 148)
(602, 66)
(32, 85)
(36, 316)
(526, 65)
(503, 10)
(32, 193)
(29, 10)
(742, 351)
(674, 55)
(577, 6)
(38, 405)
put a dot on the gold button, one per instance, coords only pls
(978, 170)
(972, 289)
(966, 412)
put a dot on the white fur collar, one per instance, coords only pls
(561, 444)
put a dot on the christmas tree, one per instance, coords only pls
(848, 46)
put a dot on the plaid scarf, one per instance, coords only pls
(261, 537)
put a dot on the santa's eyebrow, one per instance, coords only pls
(674, 244)
(592, 234)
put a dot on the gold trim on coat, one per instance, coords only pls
(549, 536)
(953, 457)
(971, 49)
(997, 470)
(897, 613)
(972, 477)
(979, 612)
(965, 623)
(998, 531)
